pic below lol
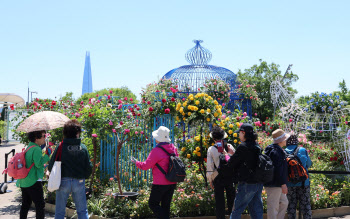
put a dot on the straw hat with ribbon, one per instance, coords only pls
(279, 135)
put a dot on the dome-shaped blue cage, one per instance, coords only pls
(191, 77)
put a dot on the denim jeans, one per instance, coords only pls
(77, 188)
(248, 195)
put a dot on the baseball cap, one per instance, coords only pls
(245, 127)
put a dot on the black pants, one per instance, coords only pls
(34, 193)
(219, 188)
(160, 199)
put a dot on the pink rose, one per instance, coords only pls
(96, 95)
(121, 123)
(173, 99)
(245, 114)
(223, 104)
(120, 101)
(131, 99)
(125, 98)
(135, 105)
(290, 120)
(167, 111)
(110, 123)
(150, 109)
(77, 115)
(114, 131)
(94, 135)
(109, 97)
(163, 100)
(148, 102)
(136, 132)
(120, 106)
(126, 131)
(111, 92)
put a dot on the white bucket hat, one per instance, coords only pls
(162, 134)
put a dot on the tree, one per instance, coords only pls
(119, 92)
(344, 92)
(67, 97)
(262, 75)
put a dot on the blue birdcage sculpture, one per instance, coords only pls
(191, 77)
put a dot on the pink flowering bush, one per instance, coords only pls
(248, 90)
(218, 89)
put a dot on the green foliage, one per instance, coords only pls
(2, 129)
(117, 92)
(68, 97)
(261, 76)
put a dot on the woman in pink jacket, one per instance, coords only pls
(162, 189)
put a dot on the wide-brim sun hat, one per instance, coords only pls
(162, 134)
(279, 135)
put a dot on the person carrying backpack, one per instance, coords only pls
(244, 163)
(299, 191)
(162, 189)
(31, 186)
(277, 190)
(219, 174)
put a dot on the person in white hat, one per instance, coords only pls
(162, 189)
(220, 181)
(277, 190)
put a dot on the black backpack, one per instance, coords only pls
(176, 170)
(264, 169)
(224, 170)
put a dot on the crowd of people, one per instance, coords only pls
(229, 170)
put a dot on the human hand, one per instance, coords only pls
(49, 151)
(133, 159)
(211, 185)
(284, 189)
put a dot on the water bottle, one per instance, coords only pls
(19, 164)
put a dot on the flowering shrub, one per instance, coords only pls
(322, 103)
(200, 108)
(218, 89)
(159, 99)
(248, 90)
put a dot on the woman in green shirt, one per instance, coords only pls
(31, 186)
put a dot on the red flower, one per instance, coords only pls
(167, 111)
(163, 100)
(335, 158)
(331, 159)
(150, 109)
(341, 163)
(148, 102)
(264, 123)
(173, 99)
(53, 103)
(271, 127)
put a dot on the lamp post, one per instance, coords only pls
(31, 95)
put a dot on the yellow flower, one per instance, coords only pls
(191, 98)
(184, 118)
(189, 107)
(202, 110)
(197, 138)
(179, 105)
(185, 103)
(188, 140)
(198, 149)
(220, 106)
(216, 114)
(195, 108)
(183, 149)
(216, 102)
(230, 132)
(208, 110)
(223, 127)
(208, 119)
(235, 141)
(189, 113)
(183, 114)
(237, 124)
(239, 142)
(197, 102)
(195, 152)
(188, 155)
(206, 99)
(216, 107)
(206, 95)
(219, 110)
(231, 126)
(198, 154)
(235, 135)
(181, 110)
(227, 119)
(177, 118)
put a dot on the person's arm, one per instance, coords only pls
(236, 158)
(210, 163)
(39, 159)
(151, 160)
(52, 160)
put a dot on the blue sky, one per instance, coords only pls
(132, 43)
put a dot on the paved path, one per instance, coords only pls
(10, 203)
